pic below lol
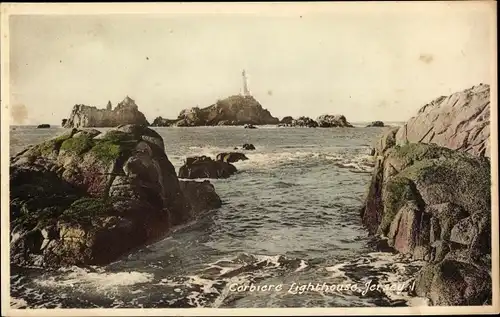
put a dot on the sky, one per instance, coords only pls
(365, 64)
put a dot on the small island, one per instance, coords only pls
(126, 112)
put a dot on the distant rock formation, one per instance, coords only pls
(460, 121)
(43, 126)
(250, 126)
(234, 110)
(304, 122)
(248, 146)
(330, 121)
(375, 124)
(162, 122)
(126, 112)
(286, 120)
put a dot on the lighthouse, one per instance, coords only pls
(246, 92)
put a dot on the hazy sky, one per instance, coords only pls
(367, 66)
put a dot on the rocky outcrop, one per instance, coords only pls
(87, 197)
(375, 124)
(460, 121)
(332, 121)
(433, 203)
(286, 120)
(205, 167)
(43, 126)
(250, 126)
(231, 157)
(304, 122)
(248, 147)
(63, 122)
(126, 112)
(161, 122)
(234, 110)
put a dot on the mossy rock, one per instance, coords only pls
(113, 144)
(398, 190)
(78, 145)
(86, 209)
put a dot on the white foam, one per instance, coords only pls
(100, 280)
(17, 303)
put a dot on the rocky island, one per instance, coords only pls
(323, 121)
(126, 112)
(87, 198)
(430, 196)
(234, 110)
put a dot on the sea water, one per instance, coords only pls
(288, 234)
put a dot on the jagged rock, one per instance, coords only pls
(433, 200)
(460, 121)
(250, 126)
(234, 110)
(126, 112)
(375, 124)
(330, 121)
(248, 147)
(63, 122)
(161, 122)
(43, 126)
(231, 157)
(454, 283)
(86, 198)
(304, 122)
(205, 167)
(424, 198)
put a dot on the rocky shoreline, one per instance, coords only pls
(430, 197)
(88, 198)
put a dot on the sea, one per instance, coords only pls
(288, 233)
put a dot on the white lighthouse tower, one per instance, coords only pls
(246, 92)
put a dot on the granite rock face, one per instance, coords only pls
(460, 121)
(433, 201)
(87, 198)
(126, 112)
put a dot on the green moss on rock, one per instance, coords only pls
(398, 190)
(78, 145)
(84, 210)
(113, 144)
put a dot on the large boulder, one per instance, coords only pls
(126, 112)
(331, 121)
(234, 110)
(460, 121)
(43, 126)
(201, 196)
(87, 197)
(205, 167)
